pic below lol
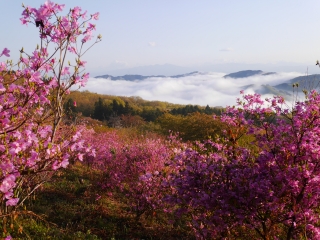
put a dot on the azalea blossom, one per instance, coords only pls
(95, 16)
(5, 52)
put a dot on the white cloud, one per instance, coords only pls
(152, 44)
(210, 88)
(226, 49)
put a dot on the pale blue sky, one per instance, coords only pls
(187, 33)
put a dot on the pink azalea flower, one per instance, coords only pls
(8, 183)
(84, 15)
(5, 52)
(76, 12)
(95, 16)
(12, 202)
(85, 78)
(65, 163)
(80, 156)
(55, 165)
(24, 21)
(2, 88)
(92, 26)
(72, 49)
(82, 63)
(2, 66)
(87, 37)
(65, 71)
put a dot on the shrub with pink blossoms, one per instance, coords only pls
(135, 167)
(33, 140)
(270, 193)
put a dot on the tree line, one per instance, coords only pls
(106, 108)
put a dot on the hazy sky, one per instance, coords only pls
(186, 33)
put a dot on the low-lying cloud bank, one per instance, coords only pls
(202, 89)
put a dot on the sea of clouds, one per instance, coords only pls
(202, 89)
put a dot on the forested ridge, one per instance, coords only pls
(103, 107)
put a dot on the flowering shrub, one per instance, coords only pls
(270, 193)
(32, 140)
(135, 166)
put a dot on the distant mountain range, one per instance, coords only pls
(284, 89)
(248, 73)
(119, 69)
(135, 77)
